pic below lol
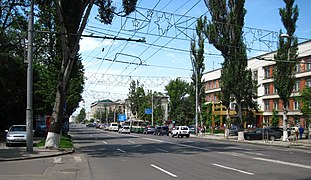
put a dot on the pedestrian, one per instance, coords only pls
(301, 130)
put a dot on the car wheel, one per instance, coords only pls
(272, 138)
(8, 144)
(247, 137)
(188, 136)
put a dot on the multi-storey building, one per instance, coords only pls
(262, 68)
(108, 106)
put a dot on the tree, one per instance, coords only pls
(305, 98)
(70, 14)
(13, 25)
(137, 99)
(275, 118)
(81, 116)
(225, 32)
(197, 59)
(179, 100)
(286, 58)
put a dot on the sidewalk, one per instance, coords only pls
(300, 144)
(20, 153)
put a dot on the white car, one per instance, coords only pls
(113, 127)
(125, 129)
(17, 134)
(181, 131)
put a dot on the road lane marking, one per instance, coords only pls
(163, 170)
(104, 142)
(156, 140)
(58, 160)
(121, 150)
(233, 169)
(91, 135)
(258, 154)
(161, 150)
(131, 142)
(284, 163)
(77, 159)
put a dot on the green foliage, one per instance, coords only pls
(225, 32)
(65, 142)
(275, 118)
(81, 116)
(181, 104)
(305, 98)
(286, 55)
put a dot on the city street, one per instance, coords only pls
(113, 156)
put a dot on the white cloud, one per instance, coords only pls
(89, 44)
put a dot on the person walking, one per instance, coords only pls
(301, 130)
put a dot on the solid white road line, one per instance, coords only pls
(121, 150)
(284, 163)
(238, 170)
(153, 140)
(131, 142)
(163, 170)
(161, 150)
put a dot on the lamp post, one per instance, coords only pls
(29, 108)
(196, 103)
(285, 110)
(151, 108)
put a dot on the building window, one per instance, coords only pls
(255, 75)
(267, 105)
(267, 72)
(214, 84)
(296, 86)
(296, 105)
(276, 105)
(308, 82)
(297, 68)
(266, 120)
(308, 66)
(267, 89)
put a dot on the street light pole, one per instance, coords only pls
(196, 103)
(151, 108)
(29, 108)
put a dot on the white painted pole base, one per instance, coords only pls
(52, 141)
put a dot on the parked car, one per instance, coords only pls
(90, 125)
(259, 134)
(124, 129)
(162, 130)
(41, 130)
(234, 130)
(16, 134)
(149, 129)
(181, 131)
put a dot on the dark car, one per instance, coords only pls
(162, 130)
(259, 134)
(234, 130)
(149, 130)
(41, 130)
(90, 125)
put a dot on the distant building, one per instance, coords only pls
(268, 98)
(108, 109)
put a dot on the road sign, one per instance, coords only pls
(148, 111)
(121, 117)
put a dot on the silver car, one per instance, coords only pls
(16, 135)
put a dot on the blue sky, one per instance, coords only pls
(168, 57)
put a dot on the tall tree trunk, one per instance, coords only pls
(285, 135)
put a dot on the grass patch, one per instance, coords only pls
(65, 142)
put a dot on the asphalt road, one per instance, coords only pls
(102, 155)
(136, 156)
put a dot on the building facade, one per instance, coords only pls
(268, 99)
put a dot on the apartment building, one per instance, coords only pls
(262, 68)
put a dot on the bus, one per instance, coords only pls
(136, 125)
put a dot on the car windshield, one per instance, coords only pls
(184, 128)
(165, 128)
(18, 128)
(126, 127)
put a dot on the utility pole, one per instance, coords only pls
(196, 102)
(29, 110)
(151, 108)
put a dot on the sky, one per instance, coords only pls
(167, 26)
